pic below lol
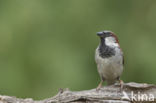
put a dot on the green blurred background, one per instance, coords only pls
(49, 44)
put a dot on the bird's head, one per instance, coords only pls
(108, 38)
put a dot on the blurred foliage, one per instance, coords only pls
(49, 44)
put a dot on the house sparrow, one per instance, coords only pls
(109, 58)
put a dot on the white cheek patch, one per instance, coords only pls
(110, 41)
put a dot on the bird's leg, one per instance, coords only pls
(99, 86)
(121, 83)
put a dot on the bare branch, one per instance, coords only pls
(131, 93)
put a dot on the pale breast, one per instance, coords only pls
(109, 68)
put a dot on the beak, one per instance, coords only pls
(100, 34)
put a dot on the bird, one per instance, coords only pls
(109, 59)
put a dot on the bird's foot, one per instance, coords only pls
(99, 86)
(121, 85)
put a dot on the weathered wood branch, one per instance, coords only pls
(131, 93)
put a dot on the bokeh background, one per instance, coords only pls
(49, 44)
